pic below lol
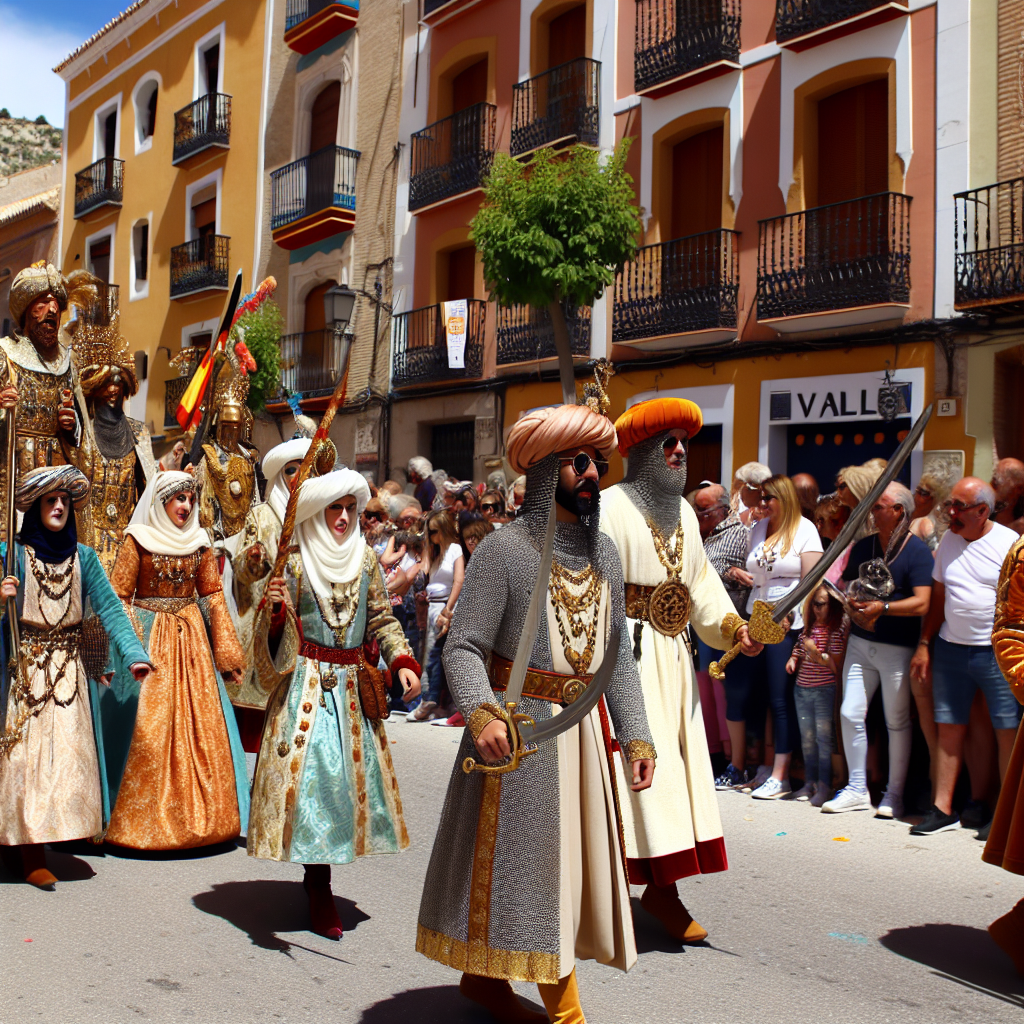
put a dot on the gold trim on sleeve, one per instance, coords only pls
(635, 750)
(482, 717)
(730, 626)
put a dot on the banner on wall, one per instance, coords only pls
(455, 314)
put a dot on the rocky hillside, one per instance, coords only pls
(25, 144)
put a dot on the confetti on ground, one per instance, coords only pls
(28, 940)
(780, 833)
(840, 839)
(748, 817)
(860, 940)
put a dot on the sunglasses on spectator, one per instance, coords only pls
(489, 506)
(581, 463)
(922, 492)
(374, 517)
(959, 507)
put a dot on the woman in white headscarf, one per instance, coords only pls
(325, 790)
(255, 552)
(174, 759)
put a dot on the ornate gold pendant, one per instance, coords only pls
(669, 608)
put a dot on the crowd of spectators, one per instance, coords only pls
(904, 615)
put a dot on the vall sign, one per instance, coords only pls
(826, 403)
(455, 314)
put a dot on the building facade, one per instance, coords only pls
(203, 136)
(791, 164)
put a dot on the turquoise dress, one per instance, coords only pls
(325, 790)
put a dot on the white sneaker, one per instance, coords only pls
(422, 711)
(757, 781)
(890, 806)
(847, 800)
(772, 789)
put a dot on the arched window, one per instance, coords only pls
(144, 102)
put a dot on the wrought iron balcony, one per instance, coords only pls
(990, 246)
(420, 348)
(200, 265)
(675, 37)
(201, 125)
(314, 197)
(854, 253)
(309, 24)
(525, 334)
(310, 362)
(558, 106)
(799, 17)
(678, 287)
(452, 155)
(100, 184)
(174, 388)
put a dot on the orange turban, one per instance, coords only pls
(556, 429)
(657, 416)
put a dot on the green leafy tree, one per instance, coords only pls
(5, 114)
(41, 119)
(262, 329)
(556, 230)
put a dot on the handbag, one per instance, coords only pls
(373, 684)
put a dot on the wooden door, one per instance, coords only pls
(461, 274)
(314, 339)
(692, 259)
(567, 36)
(469, 87)
(321, 169)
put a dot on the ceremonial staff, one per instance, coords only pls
(766, 620)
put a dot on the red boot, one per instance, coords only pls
(322, 911)
(663, 903)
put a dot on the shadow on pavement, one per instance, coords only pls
(651, 937)
(443, 1004)
(961, 954)
(264, 908)
(66, 867)
(196, 853)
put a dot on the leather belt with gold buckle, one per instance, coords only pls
(541, 685)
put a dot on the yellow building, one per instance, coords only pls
(207, 136)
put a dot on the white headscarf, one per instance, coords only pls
(323, 559)
(152, 527)
(273, 465)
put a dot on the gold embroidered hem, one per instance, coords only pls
(479, 958)
(730, 626)
(481, 718)
(634, 750)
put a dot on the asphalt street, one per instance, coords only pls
(819, 918)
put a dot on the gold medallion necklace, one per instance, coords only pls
(669, 606)
(576, 597)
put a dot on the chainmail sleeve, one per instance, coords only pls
(623, 694)
(474, 630)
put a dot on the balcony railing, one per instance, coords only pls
(674, 37)
(420, 348)
(298, 11)
(854, 253)
(560, 105)
(452, 155)
(429, 6)
(525, 334)
(310, 361)
(174, 388)
(202, 124)
(100, 184)
(798, 17)
(687, 284)
(199, 265)
(990, 245)
(320, 181)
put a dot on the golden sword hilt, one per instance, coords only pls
(761, 627)
(520, 748)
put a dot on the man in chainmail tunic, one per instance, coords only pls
(527, 871)
(672, 829)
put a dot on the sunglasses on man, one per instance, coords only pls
(374, 517)
(489, 506)
(581, 463)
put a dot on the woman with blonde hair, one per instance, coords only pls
(782, 548)
(446, 569)
(930, 521)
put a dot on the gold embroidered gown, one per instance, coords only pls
(183, 781)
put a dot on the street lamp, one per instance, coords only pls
(339, 302)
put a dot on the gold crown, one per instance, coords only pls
(101, 354)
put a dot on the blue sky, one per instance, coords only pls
(31, 45)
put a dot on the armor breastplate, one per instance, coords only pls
(233, 478)
(39, 398)
(113, 496)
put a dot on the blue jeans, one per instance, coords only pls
(957, 671)
(767, 670)
(814, 707)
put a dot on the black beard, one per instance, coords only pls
(578, 504)
(43, 334)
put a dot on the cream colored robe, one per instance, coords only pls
(677, 817)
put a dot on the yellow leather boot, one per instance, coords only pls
(562, 1001)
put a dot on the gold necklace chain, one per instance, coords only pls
(576, 611)
(670, 558)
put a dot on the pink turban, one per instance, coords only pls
(556, 429)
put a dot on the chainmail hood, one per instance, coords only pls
(651, 484)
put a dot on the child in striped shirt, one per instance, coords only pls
(818, 661)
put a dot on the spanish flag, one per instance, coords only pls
(188, 413)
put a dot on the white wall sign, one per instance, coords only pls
(455, 314)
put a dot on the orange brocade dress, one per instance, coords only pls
(184, 782)
(1005, 846)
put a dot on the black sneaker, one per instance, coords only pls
(731, 778)
(975, 814)
(983, 832)
(935, 821)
